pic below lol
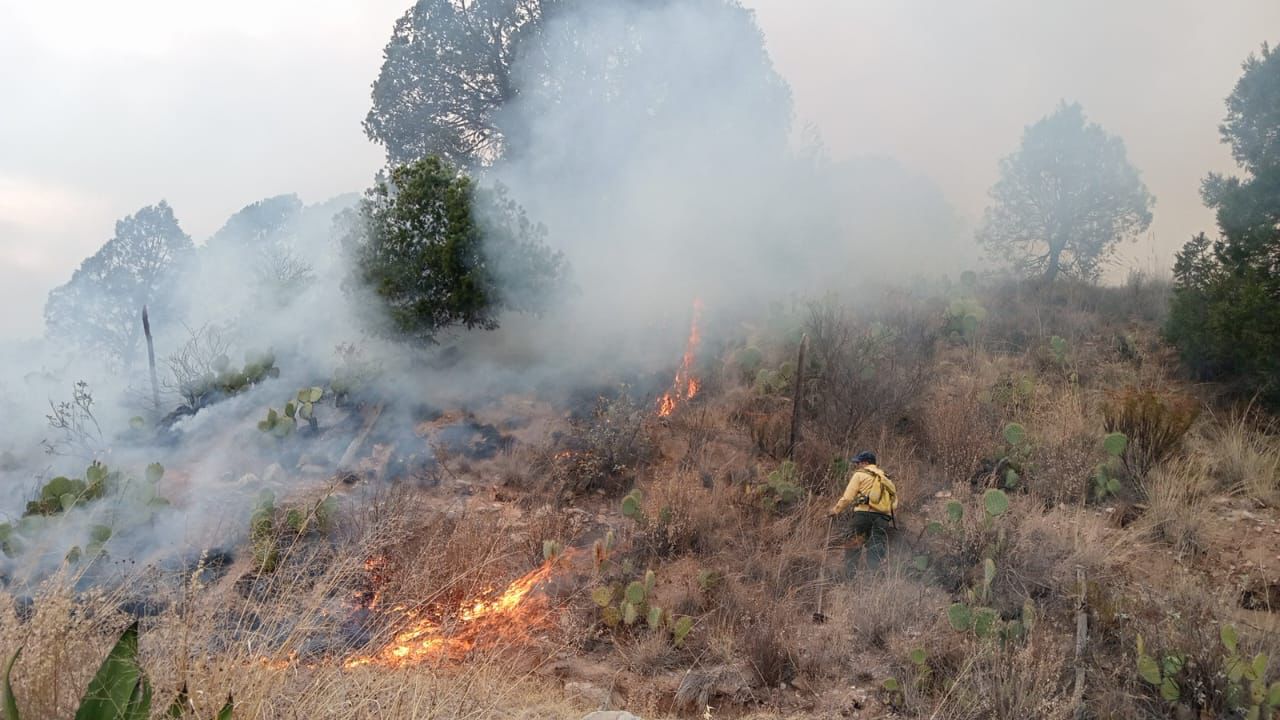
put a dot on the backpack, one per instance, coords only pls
(884, 498)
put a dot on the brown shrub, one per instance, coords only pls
(864, 370)
(958, 427)
(1065, 450)
(681, 516)
(1154, 424)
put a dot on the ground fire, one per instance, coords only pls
(488, 620)
(685, 386)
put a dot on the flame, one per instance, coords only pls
(485, 620)
(686, 385)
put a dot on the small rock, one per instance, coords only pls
(589, 694)
(274, 474)
(942, 494)
(610, 715)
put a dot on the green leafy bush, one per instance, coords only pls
(439, 252)
(781, 491)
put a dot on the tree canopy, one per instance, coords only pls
(454, 69)
(440, 252)
(445, 75)
(1064, 199)
(1225, 315)
(101, 306)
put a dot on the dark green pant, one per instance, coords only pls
(873, 529)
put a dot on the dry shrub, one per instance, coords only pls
(1154, 424)
(958, 427)
(682, 517)
(1045, 551)
(648, 653)
(864, 370)
(767, 418)
(545, 523)
(602, 450)
(889, 611)
(1065, 450)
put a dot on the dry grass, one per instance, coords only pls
(1240, 457)
(958, 428)
(1176, 493)
(276, 642)
(1066, 447)
(1010, 683)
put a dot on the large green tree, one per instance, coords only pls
(1065, 199)
(454, 70)
(440, 252)
(101, 307)
(446, 74)
(1225, 315)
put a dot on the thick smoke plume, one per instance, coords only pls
(653, 140)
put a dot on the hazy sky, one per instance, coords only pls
(106, 107)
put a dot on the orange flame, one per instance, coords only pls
(486, 620)
(685, 386)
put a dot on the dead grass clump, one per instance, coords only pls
(1043, 555)
(649, 653)
(1154, 424)
(681, 517)
(766, 649)
(888, 605)
(62, 642)
(1030, 680)
(1241, 458)
(1064, 450)
(546, 523)
(1175, 491)
(784, 555)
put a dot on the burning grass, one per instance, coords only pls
(424, 604)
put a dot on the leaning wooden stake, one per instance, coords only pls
(151, 359)
(1082, 636)
(797, 400)
(349, 457)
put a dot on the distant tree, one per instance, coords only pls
(264, 222)
(446, 73)
(101, 307)
(1064, 199)
(261, 240)
(1225, 314)
(440, 252)
(453, 67)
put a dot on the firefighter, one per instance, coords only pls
(873, 498)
